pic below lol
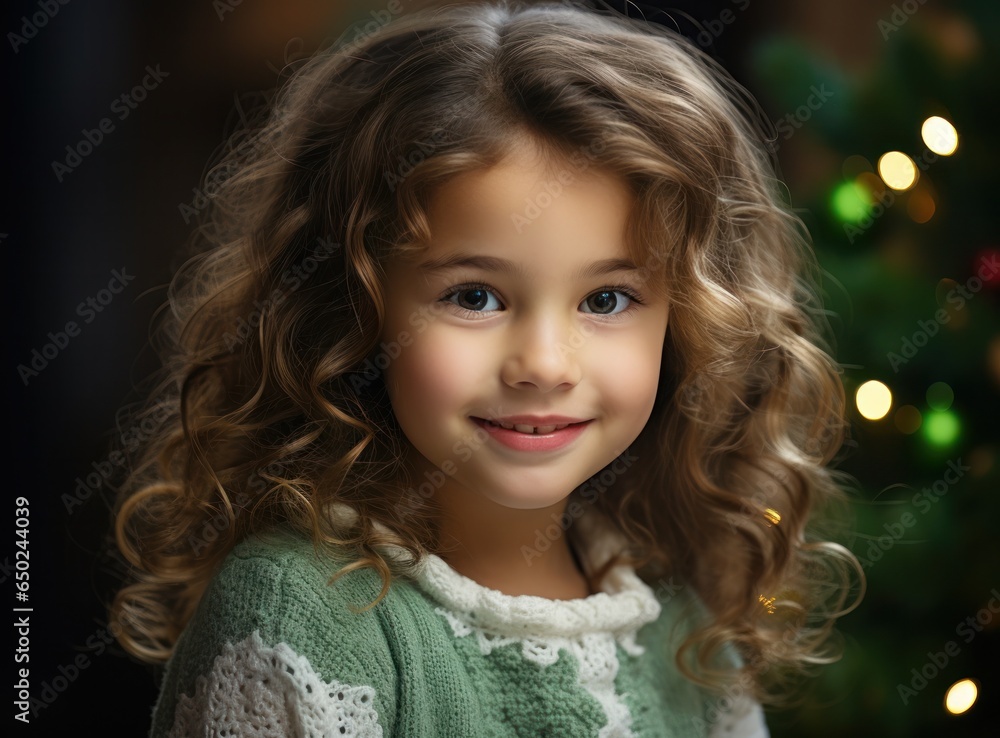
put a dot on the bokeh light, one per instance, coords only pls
(854, 165)
(961, 696)
(920, 206)
(851, 202)
(939, 135)
(941, 427)
(873, 399)
(897, 170)
(908, 419)
(940, 396)
(872, 184)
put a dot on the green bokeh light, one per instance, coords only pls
(851, 202)
(940, 396)
(941, 427)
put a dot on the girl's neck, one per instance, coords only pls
(506, 555)
(516, 551)
(558, 579)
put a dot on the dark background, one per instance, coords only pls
(886, 67)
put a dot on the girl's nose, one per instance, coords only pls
(542, 354)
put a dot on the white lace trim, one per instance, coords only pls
(258, 691)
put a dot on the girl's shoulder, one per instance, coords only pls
(270, 623)
(278, 581)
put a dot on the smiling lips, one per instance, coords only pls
(540, 434)
(523, 428)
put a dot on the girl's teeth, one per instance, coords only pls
(539, 430)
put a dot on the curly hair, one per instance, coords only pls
(277, 405)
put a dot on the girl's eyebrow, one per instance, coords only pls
(505, 266)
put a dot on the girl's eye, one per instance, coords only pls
(479, 299)
(474, 298)
(608, 302)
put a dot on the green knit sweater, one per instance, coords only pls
(273, 650)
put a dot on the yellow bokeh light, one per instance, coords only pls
(873, 400)
(897, 170)
(961, 696)
(939, 135)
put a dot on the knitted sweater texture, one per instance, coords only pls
(273, 650)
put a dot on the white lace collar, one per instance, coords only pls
(624, 604)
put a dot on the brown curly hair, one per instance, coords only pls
(278, 409)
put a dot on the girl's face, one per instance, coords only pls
(524, 305)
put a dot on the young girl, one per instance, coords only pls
(500, 402)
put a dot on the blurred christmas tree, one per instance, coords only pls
(894, 173)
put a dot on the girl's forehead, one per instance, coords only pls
(526, 201)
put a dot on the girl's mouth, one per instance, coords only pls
(522, 437)
(539, 430)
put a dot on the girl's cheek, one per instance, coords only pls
(435, 366)
(628, 369)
